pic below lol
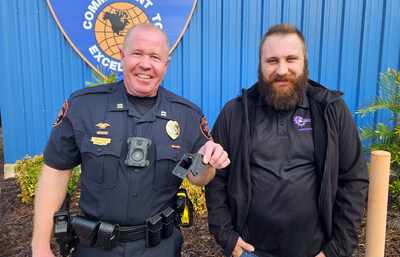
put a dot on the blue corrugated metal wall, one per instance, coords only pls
(349, 43)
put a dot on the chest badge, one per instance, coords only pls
(173, 129)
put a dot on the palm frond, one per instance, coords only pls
(384, 136)
(371, 105)
(108, 77)
(368, 133)
(388, 97)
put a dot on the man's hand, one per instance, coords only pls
(321, 254)
(42, 253)
(215, 155)
(240, 246)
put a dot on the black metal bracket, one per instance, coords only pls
(190, 162)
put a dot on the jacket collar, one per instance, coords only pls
(322, 94)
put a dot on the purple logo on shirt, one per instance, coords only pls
(301, 122)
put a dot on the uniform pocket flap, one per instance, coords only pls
(170, 152)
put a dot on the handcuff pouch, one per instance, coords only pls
(107, 236)
(86, 230)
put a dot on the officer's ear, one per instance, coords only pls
(121, 55)
(166, 64)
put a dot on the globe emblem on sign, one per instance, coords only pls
(113, 22)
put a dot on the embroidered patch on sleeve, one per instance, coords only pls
(205, 129)
(61, 114)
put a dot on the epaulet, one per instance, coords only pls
(104, 88)
(172, 97)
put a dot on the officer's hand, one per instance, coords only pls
(321, 254)
(46, 252)
(215, 155)
(240, 245)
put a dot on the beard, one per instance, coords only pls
(283, 98)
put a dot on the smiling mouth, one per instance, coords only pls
(143, 76)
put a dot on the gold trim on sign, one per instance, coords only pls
(184, 28)
(70, 42)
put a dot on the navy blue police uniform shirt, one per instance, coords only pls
(92, 130)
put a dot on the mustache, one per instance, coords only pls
(286, 77)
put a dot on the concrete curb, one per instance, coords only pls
(9, 171)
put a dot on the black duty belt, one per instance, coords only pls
(107, 235)
(127, 234)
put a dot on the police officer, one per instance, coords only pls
(127, 136)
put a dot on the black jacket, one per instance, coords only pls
(340, 162)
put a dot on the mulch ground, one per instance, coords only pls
(16, 227)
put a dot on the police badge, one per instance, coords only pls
(173, 129)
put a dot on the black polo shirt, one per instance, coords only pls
(283, 218)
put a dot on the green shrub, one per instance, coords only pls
(73, 181)
(385, 136)
(394, 189)
(196, 195)
(27, 172)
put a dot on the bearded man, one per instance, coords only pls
(297, 181)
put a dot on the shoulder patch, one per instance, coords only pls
(61, 114)
(205, 129)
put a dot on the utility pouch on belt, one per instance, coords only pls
(184, 209)
(167, 222)
(96, 233)
(153, 230)
(159, 226)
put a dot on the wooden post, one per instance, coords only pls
(377, 204)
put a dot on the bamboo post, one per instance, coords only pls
(377, 204)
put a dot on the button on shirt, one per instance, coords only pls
(94, 132)
(283, 218)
